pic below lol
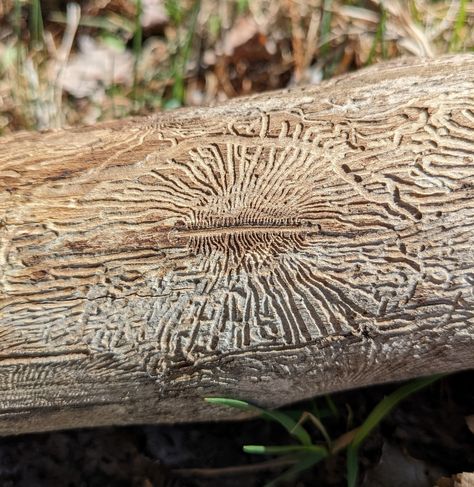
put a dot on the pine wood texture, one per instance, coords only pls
(270, 248)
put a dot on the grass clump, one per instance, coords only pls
(307, 452)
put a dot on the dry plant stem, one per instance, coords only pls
(73, 17)
(269, 249)
(238, 470)
(296, 39)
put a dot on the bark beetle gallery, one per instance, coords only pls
(270, 248)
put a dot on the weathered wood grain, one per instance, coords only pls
(270, 249)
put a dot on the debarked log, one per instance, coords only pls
(269, 249)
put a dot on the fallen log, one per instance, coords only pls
(269, 249)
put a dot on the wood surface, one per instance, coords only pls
(269, 249)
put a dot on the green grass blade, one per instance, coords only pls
(458, 26)
(242, 6)
(232, 403)
(137, 31)
(137, 47)
(174, 11)
(36, 23)
(325, 29)
(387, 404)
(352, 466)
(289, 424)
(183, 55)
(381, 410)
(307, 461)
(284, 450)
(379, 37)
(331, 405)
(286, 421)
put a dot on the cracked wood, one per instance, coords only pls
(270, 248)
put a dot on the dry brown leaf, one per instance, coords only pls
(242, 32)
(153, 14)
(96, 67)
(464, 479)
